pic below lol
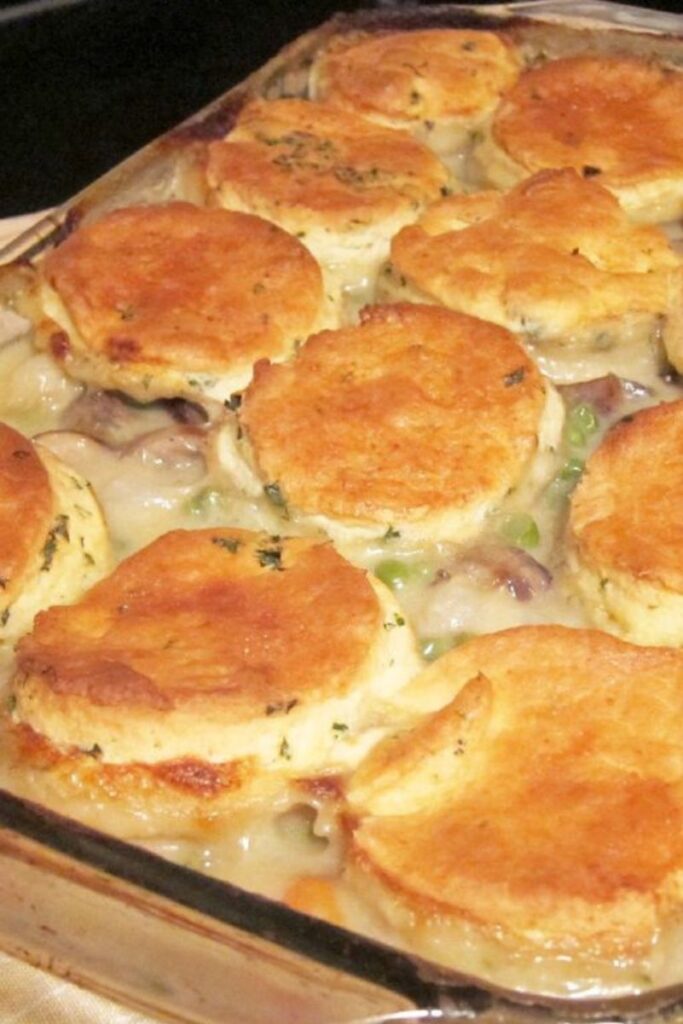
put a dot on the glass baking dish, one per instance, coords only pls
(167, 939)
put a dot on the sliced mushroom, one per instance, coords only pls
(503, 567)
(188, 413)
(605, 394)
(483, 589)
(111, 417)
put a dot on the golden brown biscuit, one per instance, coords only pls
(555, 260)
(221, 662)
(172, 299)
(614, 118)
(343, 185)
(624, 528)
(438, 83)
(541, 807)
(417, 418)
(53, 539)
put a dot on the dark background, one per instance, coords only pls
(85, 82)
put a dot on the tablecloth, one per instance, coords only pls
(30, 996)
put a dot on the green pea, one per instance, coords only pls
(572, 470)
(432, 647)
(582, 422)
(395, 573)
(204, 501)
(521, 530)
(561, 486)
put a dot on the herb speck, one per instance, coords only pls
(270, 558)
(516, 377)
(285, 750)
(231, 544)
(59, 530)
(273, 493)
(281, 707)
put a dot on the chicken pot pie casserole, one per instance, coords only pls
(340, 551)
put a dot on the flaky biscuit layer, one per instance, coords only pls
(555, 259)
(542, 803)
(218, 661)
(438, 83)
(171, 299)
(418, 418)
(53, 538)
(343, 185)
(615, 118)
(626, 544)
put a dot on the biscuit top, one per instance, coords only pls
(556, 245)
(415, 409)
(412, 76)
(312, 164)
(546, 801)
(627, 512)
(613, 117)
(26, 509)
(210, 620)
(176, 285)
